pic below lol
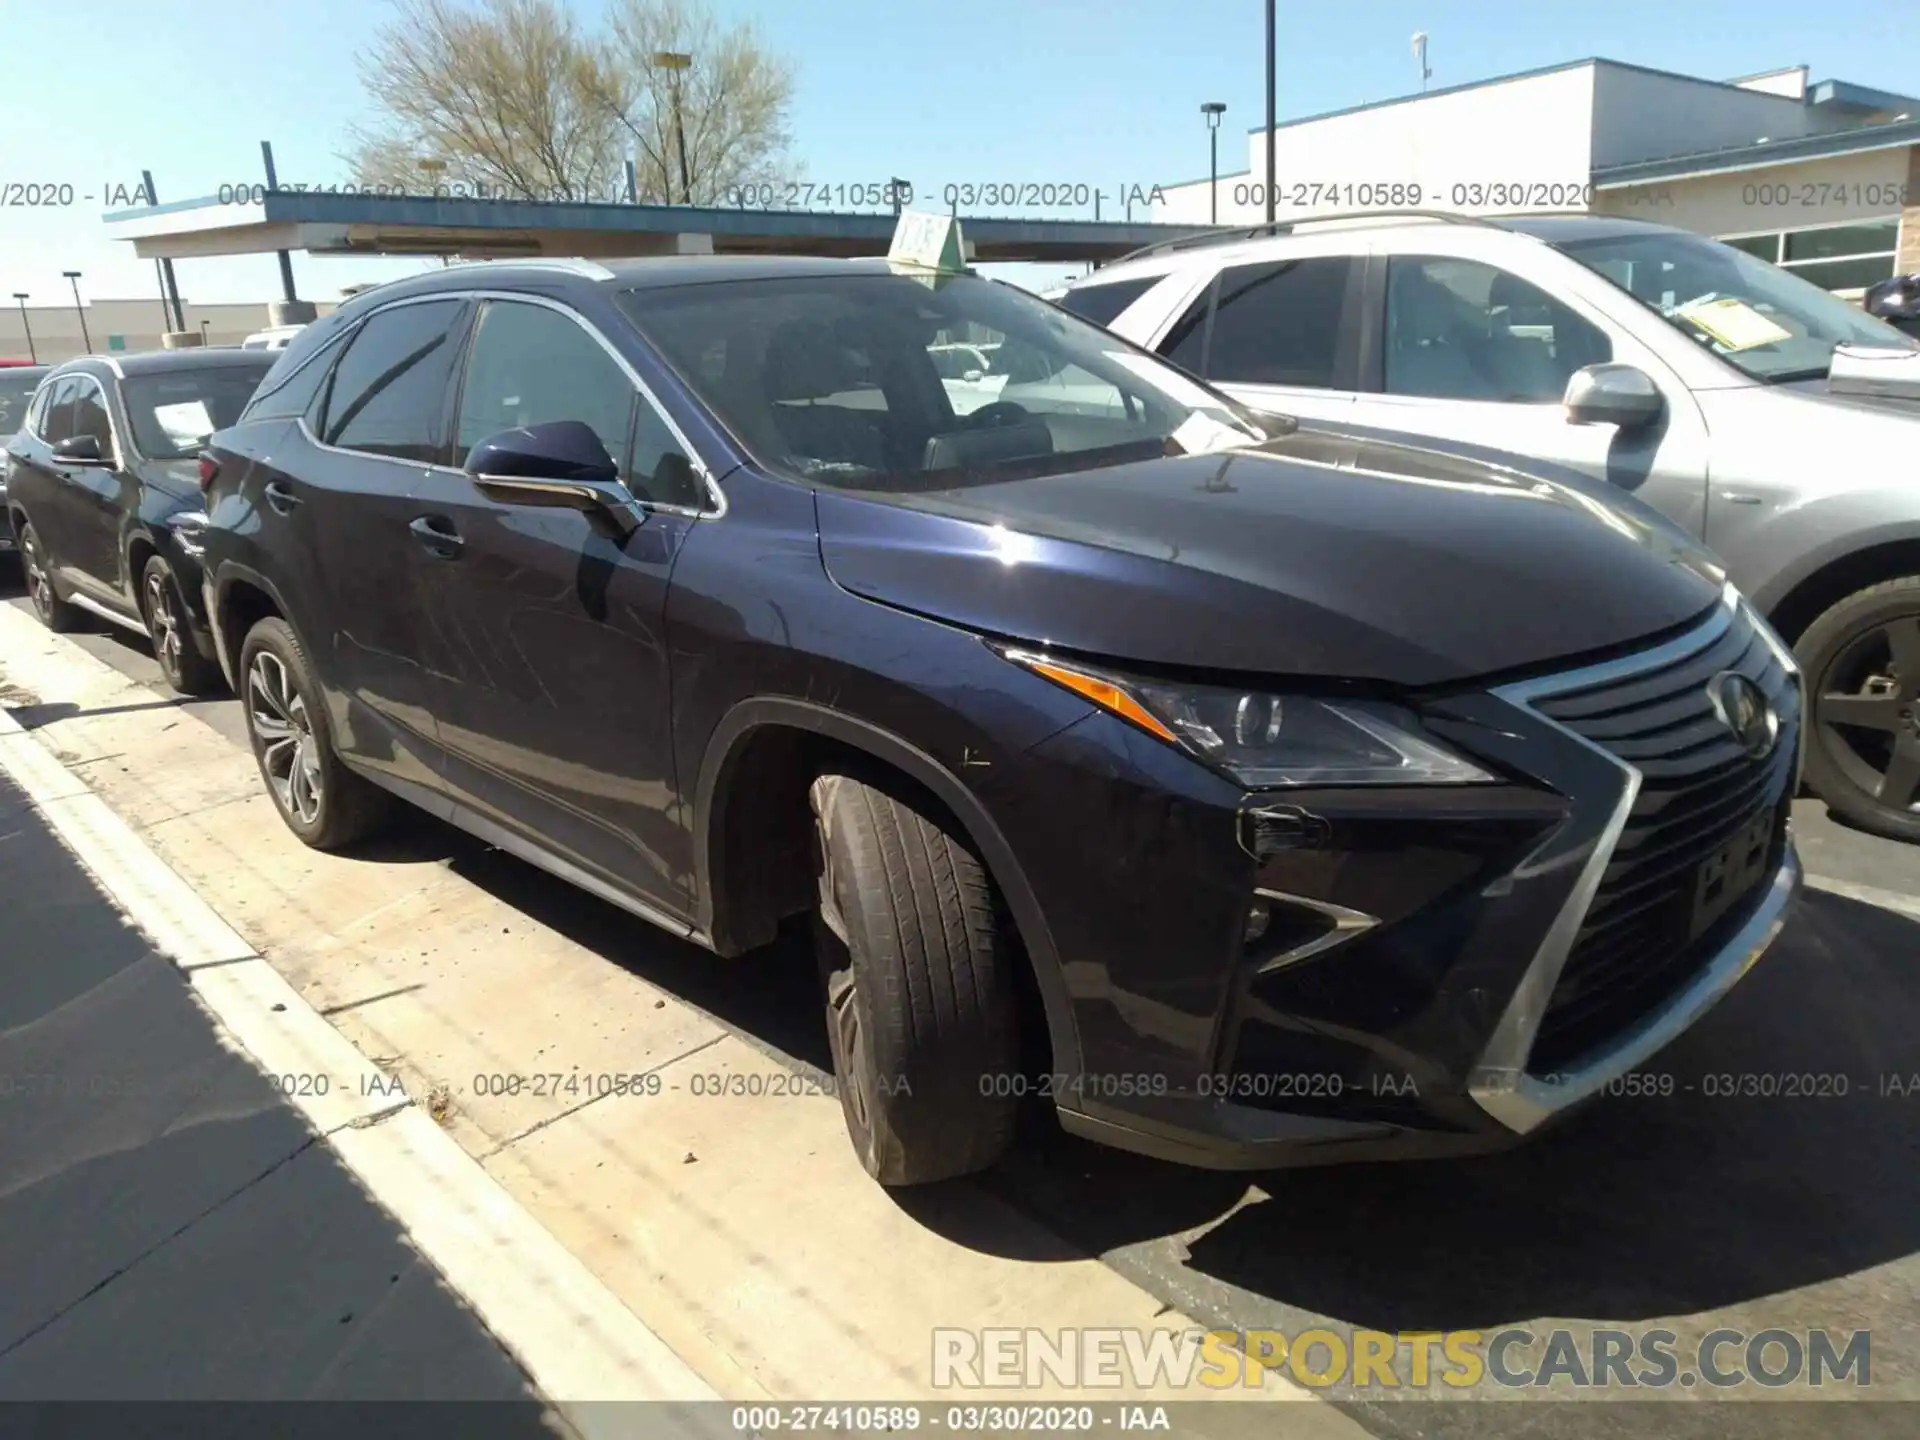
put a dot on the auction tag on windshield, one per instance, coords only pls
(185, 422)
(1734, 323)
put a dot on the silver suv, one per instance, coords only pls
(1673, 366)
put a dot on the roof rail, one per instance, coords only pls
(593, 270)
(1228, 235)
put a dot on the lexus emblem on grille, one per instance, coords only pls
(1741, 706)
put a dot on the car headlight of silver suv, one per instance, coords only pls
(1266, 741)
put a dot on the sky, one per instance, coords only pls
(1103, 93)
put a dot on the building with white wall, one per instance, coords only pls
(52, 333)
(1821, 176)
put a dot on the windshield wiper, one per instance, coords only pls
(1784, 377)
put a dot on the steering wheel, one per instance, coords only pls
(998, 415)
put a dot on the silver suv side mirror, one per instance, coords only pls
(1622, 395)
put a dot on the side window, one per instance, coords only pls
(530, 365)
(37, 410)
(1102, 304)
(90, 415)
(1279, 323)
(292, 384)
(59, 415)
(1461, 330)
(389, 391)
(1186, 343)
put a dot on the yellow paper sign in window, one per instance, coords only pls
(1734, 323)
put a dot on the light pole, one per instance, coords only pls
(1272, 119)
(205, 338)
(79, 309)
(1213, 110)
(26, 325)
(676, 63)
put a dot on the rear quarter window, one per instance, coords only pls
(1101, 304)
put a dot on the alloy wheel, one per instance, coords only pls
(843, 1014)
(1868, 712)
(289, 754)
(39, 583)
(163, 624)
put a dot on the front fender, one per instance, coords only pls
(728, 742)
(1771, 558)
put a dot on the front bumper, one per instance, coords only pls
(1451, 969)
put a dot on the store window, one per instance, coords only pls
(1840, 258)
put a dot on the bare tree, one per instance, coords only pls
(707, 126)
(514, 95)
(505, 94)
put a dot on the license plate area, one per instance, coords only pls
(1731, 872)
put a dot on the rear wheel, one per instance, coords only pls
(170, 628)
(323, 802)
(1862, 665)
(56, 614)
(918, 972)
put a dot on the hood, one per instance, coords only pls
(1821, 391)
(1321, 554)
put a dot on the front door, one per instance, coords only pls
(1475, 354)
(102, 496)
(548, 636)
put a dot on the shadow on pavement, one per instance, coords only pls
(1640, 1207)
(170, 1227)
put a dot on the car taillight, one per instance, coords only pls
(209, 468)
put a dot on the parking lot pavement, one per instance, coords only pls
(170, 1226)
(1697, 1208)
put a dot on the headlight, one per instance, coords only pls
(1263, 740)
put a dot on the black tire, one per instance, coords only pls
(37, 574)
(170, 627)
(918, 968)
(1862, 665)
(323, 802)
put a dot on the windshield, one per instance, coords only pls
(1772, 325)
(16, 389)
(894, 381)
(173, 411)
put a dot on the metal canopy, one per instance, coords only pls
(329, 224)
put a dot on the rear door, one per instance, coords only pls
(339, 495)
(40, 483)
(1278, 335)
(552, 675)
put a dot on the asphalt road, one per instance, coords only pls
(1695, 1209)
(170, 1227)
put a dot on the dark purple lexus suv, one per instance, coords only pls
(1252, 793)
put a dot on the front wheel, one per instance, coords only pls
(170, 628)
(1862, 665)
(917, 966)
(56, 614)
(323, 802)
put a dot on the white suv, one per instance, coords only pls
(1673, 366)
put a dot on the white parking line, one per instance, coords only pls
(573, 1336)
(1868, 894)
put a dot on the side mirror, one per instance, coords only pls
(560, 465)
(1622, 395)
(79, 450)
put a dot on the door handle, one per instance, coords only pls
(437, 536)
(280, 498)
